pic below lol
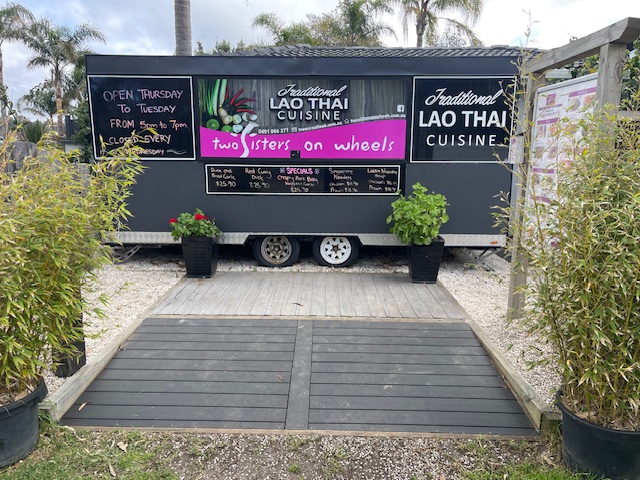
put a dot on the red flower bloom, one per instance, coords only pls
(173, 220)
(199, 216)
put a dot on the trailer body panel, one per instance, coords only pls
(316, 142)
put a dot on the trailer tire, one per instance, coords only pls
(336, 251)
(276, 251)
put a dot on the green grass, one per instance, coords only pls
(525, 472)
(64, 454)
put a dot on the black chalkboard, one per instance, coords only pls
(120, 105)
(305, 180)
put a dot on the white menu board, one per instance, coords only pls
(558, 110)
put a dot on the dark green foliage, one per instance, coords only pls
(417, 219)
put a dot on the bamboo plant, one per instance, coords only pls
(580, 236)
(53, 224)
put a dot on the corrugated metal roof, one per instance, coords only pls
(381, 52)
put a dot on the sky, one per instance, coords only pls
(145, 27)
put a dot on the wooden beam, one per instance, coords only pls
(634, 116)
(622, 32)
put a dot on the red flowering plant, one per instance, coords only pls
(194, 225)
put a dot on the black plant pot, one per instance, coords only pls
(69, 365)
(604, 452)
(425, 260)
(19, 426)
(200, 256)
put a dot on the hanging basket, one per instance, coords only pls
(200, 256)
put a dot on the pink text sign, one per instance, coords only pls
(380, 139)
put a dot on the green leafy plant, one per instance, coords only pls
(194, 225)
(417, 218)
(580, 237)
(33, 131)
(54, 221)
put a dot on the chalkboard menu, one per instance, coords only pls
(159, 109)
(305, 180)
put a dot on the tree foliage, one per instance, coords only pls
(457, 16)
(352, 23)
(14, 19)
(58, 48)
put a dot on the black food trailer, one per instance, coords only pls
(290, 144)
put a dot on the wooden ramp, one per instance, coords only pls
(306, 374)
(317, 294)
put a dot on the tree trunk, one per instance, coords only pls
(58, 93)
(182, 10)
(420, 28)
(4, 128)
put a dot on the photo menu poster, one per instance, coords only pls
(558, 110)
(302, 118)
(158, 109)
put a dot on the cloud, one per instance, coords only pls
(145, 27)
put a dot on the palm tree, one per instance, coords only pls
(358, 22)
(281, 33)
(57, 48)
(182, 12)
(352, 23)
(13, 20)
(427, 14)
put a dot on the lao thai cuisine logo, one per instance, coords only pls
(309, 104)
(461, 119)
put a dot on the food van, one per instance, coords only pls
(309, 144)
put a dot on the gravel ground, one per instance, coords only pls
(315, 457)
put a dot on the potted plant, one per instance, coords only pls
(53, 224)
(417, 220)
(580, 236)
(199, 236)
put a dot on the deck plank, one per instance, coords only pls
(339, 374)
(410, 391)
(230, 289)
(321, 294)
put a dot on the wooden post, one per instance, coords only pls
(612, 56)
(519, 264)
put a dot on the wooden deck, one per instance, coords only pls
(321, 294)
(300, 374)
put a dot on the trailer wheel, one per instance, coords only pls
(276, 251)
(335, 251)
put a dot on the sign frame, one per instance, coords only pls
(396, 167)
(508, 120)
(94, 134)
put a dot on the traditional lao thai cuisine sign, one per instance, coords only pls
(465, 119)
(302, 118)
(158, 109)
